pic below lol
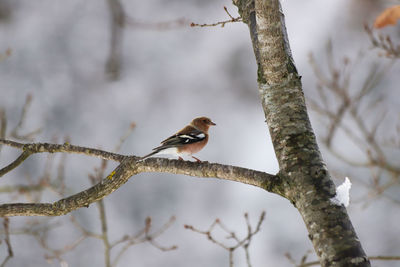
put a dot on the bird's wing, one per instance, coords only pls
(187, 135)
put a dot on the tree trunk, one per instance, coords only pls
(305, 180)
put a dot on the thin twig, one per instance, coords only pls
(383, 42)
(143, 236)
(3, 124)
(104, 231)
(222, 23)
(6, 225)
(243, 243)
(123, 138)
(60, 179)
(117, 23)
(15, 132)
(336, 84)
(102, 214)
(24, 155)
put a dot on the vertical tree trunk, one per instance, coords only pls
(305, 179)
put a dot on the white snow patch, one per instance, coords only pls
(342, 196)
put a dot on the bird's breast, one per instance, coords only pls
(194, 147)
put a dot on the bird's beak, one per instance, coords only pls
(212, 123)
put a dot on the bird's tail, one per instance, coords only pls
(150, 154)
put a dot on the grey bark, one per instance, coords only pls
(305, 181)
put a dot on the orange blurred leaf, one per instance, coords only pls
(388, 17)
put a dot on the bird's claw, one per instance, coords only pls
(196, 159)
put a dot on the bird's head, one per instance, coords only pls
(202, 123)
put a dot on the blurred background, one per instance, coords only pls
(91, 75)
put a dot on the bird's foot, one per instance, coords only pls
(196, 159)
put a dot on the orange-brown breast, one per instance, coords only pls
(194, 147)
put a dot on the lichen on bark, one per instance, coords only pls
(305, 181)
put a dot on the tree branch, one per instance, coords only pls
(24, 155)
(130, 166)
(32, 148)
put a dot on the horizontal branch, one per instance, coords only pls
(206, 169)
(33, 148)
(130, 166)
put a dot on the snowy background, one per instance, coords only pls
(59, 52)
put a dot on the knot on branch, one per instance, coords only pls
(27, 148)
(245, 8)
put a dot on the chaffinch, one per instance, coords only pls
(187, 141)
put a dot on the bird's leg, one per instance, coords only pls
(180, 158)
(196, 159)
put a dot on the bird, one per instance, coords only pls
(189, 140)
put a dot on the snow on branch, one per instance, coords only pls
(342, 196)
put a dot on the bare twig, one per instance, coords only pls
(3, 124)
(243, 243)
(104, 231)
(82, 229)
(123, 138)
(59, 182)
(222, 23)
(40, 231)
(118, 17)
(150, 237)
(143, 236)
(337, 84)
(383, 42)
(6, 225)
(58, 253)
(24, 155)
(303, 261)
(385, 258)
(102, 214)
(15, 132)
